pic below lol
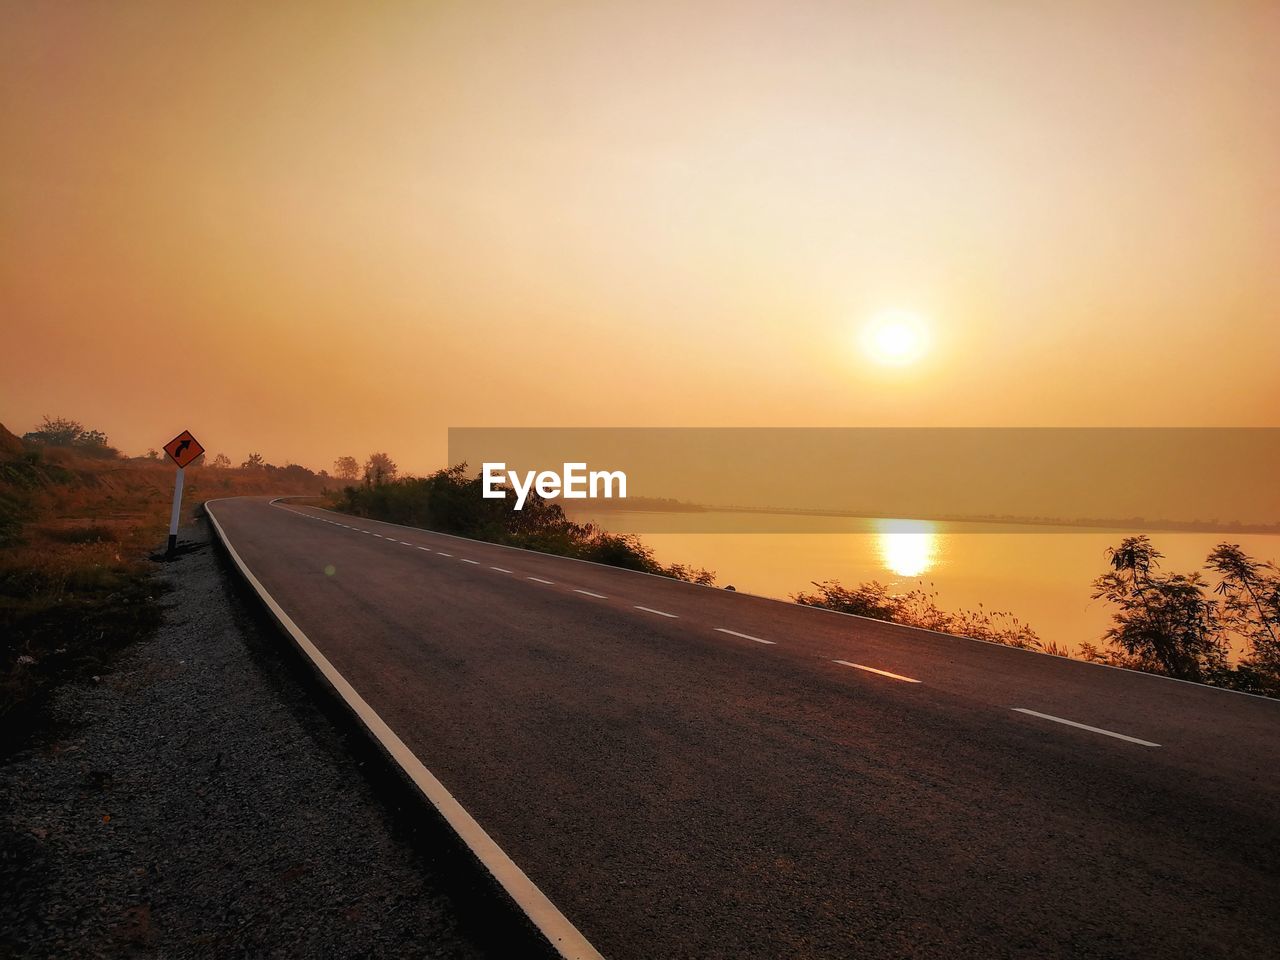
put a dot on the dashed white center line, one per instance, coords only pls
(465, 560)
(1085, 726)
(744, 636)
(443, 554)
(540, 580)
(661, 613)
(883, 673)
(428, 549)
(500, 569)
(588, 593)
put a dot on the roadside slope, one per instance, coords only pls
(196, 801)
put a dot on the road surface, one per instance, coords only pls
(690, 772)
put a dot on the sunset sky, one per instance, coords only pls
(322, 229)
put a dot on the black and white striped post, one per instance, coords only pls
(183, 450)
(177, 510)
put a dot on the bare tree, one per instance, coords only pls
(222, 462)
(255, 462)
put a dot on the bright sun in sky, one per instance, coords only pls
(896, 338)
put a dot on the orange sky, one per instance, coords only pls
(314, 229)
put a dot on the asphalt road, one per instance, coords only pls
(690, 772)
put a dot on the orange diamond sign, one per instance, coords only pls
(183, 449)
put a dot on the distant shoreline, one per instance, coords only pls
(663, 505)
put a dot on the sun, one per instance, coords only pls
(896, 338)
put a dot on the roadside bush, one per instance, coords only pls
(451, 502)
(919, 608)
(1170, 623)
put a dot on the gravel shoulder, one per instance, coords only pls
(205, 798)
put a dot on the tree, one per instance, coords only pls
(346, 468)
(57, 432)
(379, 469)
(1250, 592)
(255, 462)
(221, 461)
(1165, 623)
(153, 454)
(64, 432)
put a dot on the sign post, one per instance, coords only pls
(184, 450)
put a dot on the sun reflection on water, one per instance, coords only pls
(907, 547)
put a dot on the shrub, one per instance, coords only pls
(919, 608)
(451, 502)
(1170, 624)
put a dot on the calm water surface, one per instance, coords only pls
(1041, 575)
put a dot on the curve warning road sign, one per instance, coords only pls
(183, 449)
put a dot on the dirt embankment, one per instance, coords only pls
(196, 800)
(75, 584)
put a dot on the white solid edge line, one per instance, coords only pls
(540, 580)
(661, 613)
(1085, 726)
(791, 603)
(744, 636)
(588, 593)
(883, 673)
(555, 926)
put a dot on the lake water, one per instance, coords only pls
(1042, 575)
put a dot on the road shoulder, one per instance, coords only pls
(200, 799)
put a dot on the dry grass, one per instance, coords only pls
(919, 608)
(75, 583)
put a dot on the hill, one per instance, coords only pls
(10, 446)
